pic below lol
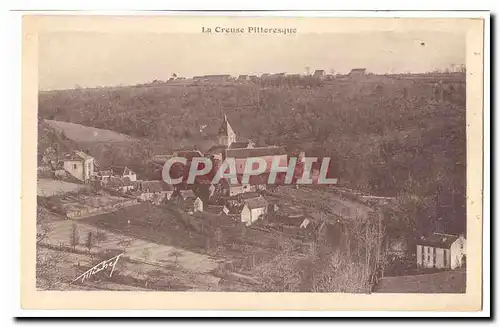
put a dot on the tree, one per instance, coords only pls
(89, 242)
(74, 237)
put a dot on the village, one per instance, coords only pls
(244, 226)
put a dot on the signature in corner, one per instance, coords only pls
(99, 267)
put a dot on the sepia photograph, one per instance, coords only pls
(254, 155)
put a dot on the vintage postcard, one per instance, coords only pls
(252, 163)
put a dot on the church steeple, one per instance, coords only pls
(226, 134)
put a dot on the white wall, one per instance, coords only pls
(257, 213)
(74, 168)
(442, 260)
(246, 216)
(458, 250)
(89, 168)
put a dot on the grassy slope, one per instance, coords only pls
(83, 134)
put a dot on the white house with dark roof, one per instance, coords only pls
(79, 165)
(441, 251)
(253, 210)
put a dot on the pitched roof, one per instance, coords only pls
(438, 240)
(225, 128)
(83, 155)
(77, 155)
(255, 152)
(255, 203)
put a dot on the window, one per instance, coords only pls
(74, 166)
(445, 258)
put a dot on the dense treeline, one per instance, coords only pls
(389, 137)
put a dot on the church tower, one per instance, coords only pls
(226, 134)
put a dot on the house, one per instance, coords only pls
(319, 73)
(243, 78)
(156, 192)
(124, 172)
(254, 78)
(441, 251)
(357, 72)
(253, 210)
(79, 165)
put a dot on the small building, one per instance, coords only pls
(124, 172)
(79, 165)
(319, 73)
(357, 73)
(242, 78)
(441, 251)
(253, 210)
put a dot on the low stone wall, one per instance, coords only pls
(99, 210)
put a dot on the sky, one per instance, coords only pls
(90, 59)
